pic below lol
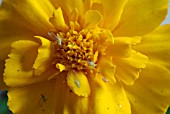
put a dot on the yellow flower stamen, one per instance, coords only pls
(77, 50)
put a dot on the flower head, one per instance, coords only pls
(85, 56)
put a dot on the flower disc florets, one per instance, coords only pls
(77, 49)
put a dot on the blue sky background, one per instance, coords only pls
(167, 20)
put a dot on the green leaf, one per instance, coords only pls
(168, 111)
(3, 103)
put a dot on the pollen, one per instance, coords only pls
(78, 50)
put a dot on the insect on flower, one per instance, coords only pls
(55, 38)
(105, 79)
(43, 100)
(91, 64)
(85, 56)
(77, 83)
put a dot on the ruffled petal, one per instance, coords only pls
(108, 98)
(78, 83)
(18, 68)
(122, 46)
(141, 17)
(33, 99)
(2, 67)
(33, 14)
(111, 11)
(44, 58)
(67, 101)
(156, 45)
(128, 69)
(107, 70)
(150, 94)
(19, 65)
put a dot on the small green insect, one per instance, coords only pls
(55, 38)
(105, 79)
(77, 83)
(91, 64)
(43, 100)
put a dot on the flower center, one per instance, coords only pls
(76, 50)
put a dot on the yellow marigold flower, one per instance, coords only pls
(85, 56)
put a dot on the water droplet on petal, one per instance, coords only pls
(120, 106)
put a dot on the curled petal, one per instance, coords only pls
(78, 83)
(67, 101)
(43, 60)
(128, 69)
(122, 46)
(18, 68)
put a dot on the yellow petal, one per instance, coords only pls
(107, 70)
(150, 94)
(108, 98)
(156, 45)
(69, 5)
(92, 18)
(122, 46)
(2, 67)
(141, 17)
(74, 15)
(8, 31)
(43, 60)
(60, 67)
(58, 21)
(128, 69)
(10, 16)
(112, 10)
(19, 64)
(67, 101)
(107, 37)
(33, 99)
(18, 68)
(33, 14)
(78, 83)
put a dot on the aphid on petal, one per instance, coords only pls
(55, 38)
(105, 79)
(77, 83)
(91, 64)
(43, 100)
